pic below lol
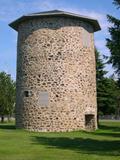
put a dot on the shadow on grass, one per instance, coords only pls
(112, 131)
(7, 126)
(81, 145)
(115, 135)
(110, 128)
(95, 145)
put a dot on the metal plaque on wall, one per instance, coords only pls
(43, 98)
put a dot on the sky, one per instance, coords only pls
(13, 9)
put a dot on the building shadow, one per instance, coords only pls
(81, 145)
(93, 144)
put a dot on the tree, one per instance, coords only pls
(100, 73)
(107, 90)
(113, 43)
(108, 96)
(7, 95)
(117, 3)
(117, 109)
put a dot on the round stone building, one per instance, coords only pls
(56, 75)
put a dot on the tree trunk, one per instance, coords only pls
(117, 112)
(9, 118)
(2, 119)
(98, 117)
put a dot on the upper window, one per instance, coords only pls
(86, 38)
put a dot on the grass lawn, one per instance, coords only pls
(103, 144)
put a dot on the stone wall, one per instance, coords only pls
(56, 83)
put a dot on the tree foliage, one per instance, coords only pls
(113, 43)
(107, 89)
(7, 95)
(117, 3)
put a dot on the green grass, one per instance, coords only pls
(103, 144)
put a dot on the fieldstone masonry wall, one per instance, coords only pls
(56, 84)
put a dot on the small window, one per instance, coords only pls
(27, 93)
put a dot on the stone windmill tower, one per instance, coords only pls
(56, 76)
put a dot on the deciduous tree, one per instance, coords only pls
(7, 95)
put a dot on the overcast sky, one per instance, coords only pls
(12, 9)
